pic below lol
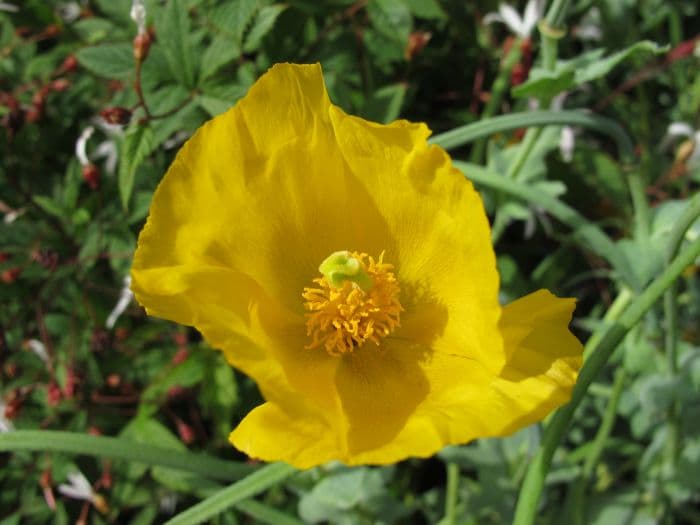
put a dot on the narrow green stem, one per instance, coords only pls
(551, 31)
(248, 487)
(577, 506)
(684, 222)
(534, 480)
(451, 493)
(639, 202)
(117, 448)
(557, 13)
(471, 132)
(526, 146)
(616, 308)
(498, 90)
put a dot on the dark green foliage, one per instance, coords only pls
(69, 233)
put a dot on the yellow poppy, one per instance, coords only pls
(347, 268)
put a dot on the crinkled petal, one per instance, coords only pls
(439, 234)
(272, 433)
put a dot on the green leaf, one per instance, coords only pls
(213, 106)
(173, 29)
(590, 66)
(124, 449)
(584, 68)
(108, 60)
(429, 9)
(391, 18)
(384, 105)
(49, 205)
(264, 21)
(220, 52)
(253, 484)
(185, 374)
(138, 144)
(234, 17)
(544, 83)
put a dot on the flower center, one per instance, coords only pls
(357, 300)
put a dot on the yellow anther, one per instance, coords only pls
(345, 313)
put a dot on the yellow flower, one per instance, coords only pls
(347, 268)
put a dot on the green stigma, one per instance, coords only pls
(341, 266)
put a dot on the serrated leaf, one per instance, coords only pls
(213, 106)
(264, 21)
(173, 29)
(391, 18)
(220, 52)
(234, 17)
(138, 144)
(108, 60)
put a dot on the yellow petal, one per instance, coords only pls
(438, 230)
(272, 433)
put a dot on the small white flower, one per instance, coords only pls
(683, 130)
(81, 145)
(39, 349)
(138, 15)
(521, 26)
(5, 424)
(68, 11)
(77, 488)
(4, 6)
(80, 488)
(106, 149)
(567, 142)
(124, 299)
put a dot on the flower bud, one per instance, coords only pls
(69, 65)
(60, 84)
(91, 175)
(416, 42)
(116, 115)
(142, 43)
(53, 394)
(11, 275)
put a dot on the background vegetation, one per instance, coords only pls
(590, 196)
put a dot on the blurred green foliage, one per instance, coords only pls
(70, 227)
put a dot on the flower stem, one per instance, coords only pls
(451, 493)
(534, 480)
(684, 222)
(253, 484)
(578, 492)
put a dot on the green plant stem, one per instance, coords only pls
(471, 132)
(624, 297)
(531, 138)
(498, 90)
(116, 448)
(265, 514)
(551, 31)
(248, 487)
(639, 203)
(577, 507)
(537, 471)
(451, 494)
(681, 226)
